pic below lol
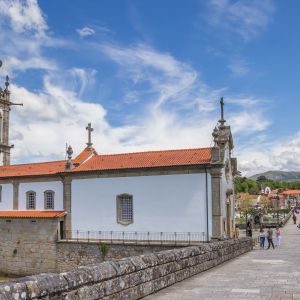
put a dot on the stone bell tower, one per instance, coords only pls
(5, 104)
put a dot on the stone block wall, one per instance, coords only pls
(74, 254)
(27, 246)
(130, 278)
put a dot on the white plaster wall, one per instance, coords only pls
(162, 203)
(40, 188)
(7, 197)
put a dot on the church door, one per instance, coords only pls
(61, 230)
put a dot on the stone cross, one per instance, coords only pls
(222, 108)
(222, 120)
(89, 129)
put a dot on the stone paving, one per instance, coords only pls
(259, 274)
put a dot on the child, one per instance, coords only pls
(277, 237)
(262, 238)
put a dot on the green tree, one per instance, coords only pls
(261, 178)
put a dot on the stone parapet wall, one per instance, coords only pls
(129, 278)
(74, 254)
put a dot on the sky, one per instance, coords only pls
(149, 74)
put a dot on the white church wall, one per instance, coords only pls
(6, 197)
(40, 188)
(162, 203)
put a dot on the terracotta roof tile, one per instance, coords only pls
(149, 159)
(291, 192)
(84, 155)
(33, 169)
(32, 214)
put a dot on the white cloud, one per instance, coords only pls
(13, 64)
(83, 78)
(85, 31)
(247, 18)
(283, 154)
(24, 36)
(239, 67)
(49, 119)
(248, 121)
(24, 16)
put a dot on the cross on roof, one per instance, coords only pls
(89, 129)
(222, 120)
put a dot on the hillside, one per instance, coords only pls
(279, 176)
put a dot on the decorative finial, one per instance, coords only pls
(6, 83)
(215, 135)
(222, 120)
(69, 164)
(90, 130)
(69, 152)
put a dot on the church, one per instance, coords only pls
(187, 190)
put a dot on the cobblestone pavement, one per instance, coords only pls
(259, 274)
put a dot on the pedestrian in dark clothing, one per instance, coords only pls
(294, 218)
(249, 229)
(270, 238)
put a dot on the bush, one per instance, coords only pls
(103, 249)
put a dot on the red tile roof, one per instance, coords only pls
(291, 192)
(32, 214)
(149, 159)
(33, 169)
(84, 155)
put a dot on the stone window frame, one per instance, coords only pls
(120, 219)
(45, 199)
(27, 199)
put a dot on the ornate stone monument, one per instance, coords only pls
(5, 105)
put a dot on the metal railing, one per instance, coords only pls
(135, 237)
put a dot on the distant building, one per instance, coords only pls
(291, 197)
(276, 201)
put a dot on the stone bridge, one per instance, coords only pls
(229, 271)
(259, 274)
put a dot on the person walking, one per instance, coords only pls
(270, 238)
(262, 238)
(277, 237)
(294, 218)
(249, 229)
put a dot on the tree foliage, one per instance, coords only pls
(246, 185)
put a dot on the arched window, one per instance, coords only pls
(125, 209)
(49, 199)
(30, 200)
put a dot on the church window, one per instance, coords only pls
(125, 209)
(30, 200)
(49, 199)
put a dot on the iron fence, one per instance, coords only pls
(135, 237)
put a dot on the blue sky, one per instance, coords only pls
(149, 74)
